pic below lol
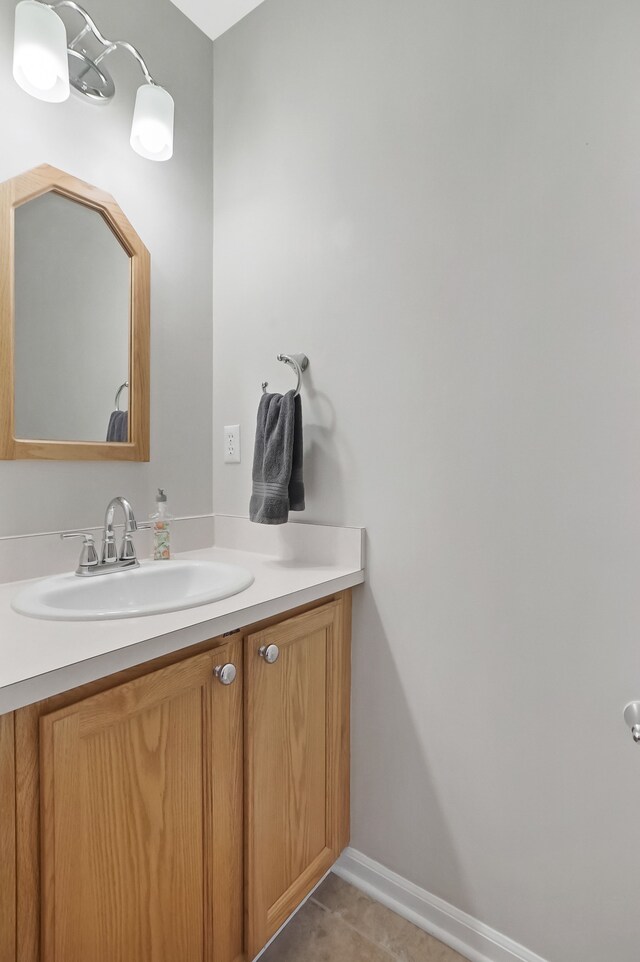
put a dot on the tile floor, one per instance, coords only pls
(341, 924)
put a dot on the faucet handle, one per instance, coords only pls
(127, 549)
(88, 554)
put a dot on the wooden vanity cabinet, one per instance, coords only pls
(162, 816)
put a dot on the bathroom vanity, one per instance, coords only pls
(182, 807)
(172, 786)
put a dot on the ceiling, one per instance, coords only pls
(215, 16)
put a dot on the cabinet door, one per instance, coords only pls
(141, 799)
(297, 762)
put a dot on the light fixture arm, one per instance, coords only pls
(109, 45)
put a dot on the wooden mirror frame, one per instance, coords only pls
(19, 190)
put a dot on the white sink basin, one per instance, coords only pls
(152, 588)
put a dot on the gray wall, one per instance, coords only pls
(170, 206)
(437, 200)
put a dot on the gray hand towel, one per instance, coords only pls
(277, 461)
(118, 429)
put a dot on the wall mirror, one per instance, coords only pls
(74, 323)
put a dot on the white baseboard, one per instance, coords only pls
(471, 938)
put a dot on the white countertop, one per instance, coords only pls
(41, 658)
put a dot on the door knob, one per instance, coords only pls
(270, 653)
(226, 674)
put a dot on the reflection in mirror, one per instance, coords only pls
(71, 333)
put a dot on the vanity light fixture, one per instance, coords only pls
(45, 65)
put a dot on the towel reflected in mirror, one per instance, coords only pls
(118, 429)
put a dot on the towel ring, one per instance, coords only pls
(119, 392)
(299, 362)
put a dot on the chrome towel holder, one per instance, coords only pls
(299, 363)
(119, 392)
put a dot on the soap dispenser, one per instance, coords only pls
(161, 524)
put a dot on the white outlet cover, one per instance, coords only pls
(232, 443)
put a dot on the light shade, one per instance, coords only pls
(40, 64)
(152, 128)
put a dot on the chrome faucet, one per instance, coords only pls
(110, 558)
(127, 557)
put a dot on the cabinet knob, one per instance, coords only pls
(226, 674)
(270, 653)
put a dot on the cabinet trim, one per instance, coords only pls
(7, 840)
(339, 809)
(280, 911)
(27, 835)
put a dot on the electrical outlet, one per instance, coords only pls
(232, 443)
